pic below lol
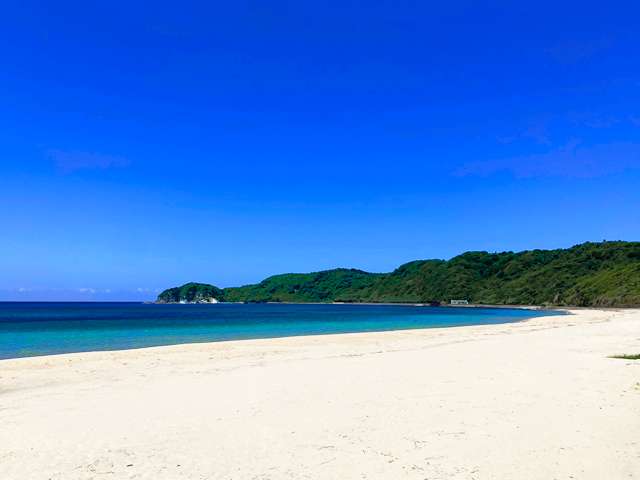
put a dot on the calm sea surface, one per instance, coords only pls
(30, 329)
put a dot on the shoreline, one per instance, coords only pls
(404, 304)
(275, 332)
(538, 398)
(410, 304)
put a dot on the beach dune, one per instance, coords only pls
(538, 399)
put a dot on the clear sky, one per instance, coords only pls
(148, 144)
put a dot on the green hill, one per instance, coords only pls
(591, 274)
(192, 293)
(304, 287)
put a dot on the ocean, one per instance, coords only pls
(32, 329)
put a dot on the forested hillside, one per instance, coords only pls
(192, 293)
(591, 274)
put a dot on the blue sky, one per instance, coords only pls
(149, 144)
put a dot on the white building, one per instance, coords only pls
(459, 302)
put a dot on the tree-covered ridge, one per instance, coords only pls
(303, 287)
(192, 293)
(591, 274)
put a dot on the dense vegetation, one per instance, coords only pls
(591, 274)
(191, 293)
(634, 356)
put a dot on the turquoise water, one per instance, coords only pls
(30, 329)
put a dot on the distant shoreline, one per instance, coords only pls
(398, 304)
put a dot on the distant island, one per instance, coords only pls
(603, 274)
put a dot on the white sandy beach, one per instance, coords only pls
(533, 400)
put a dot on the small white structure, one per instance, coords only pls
(459, 302)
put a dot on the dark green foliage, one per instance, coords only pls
(627, 357)
(191, 292)
(591, 274)
(302, 287)
(619, 286)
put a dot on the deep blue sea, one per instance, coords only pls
(30, 329)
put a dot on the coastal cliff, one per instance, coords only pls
(603, 274)
(192, 293)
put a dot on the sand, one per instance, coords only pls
(538, 399)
